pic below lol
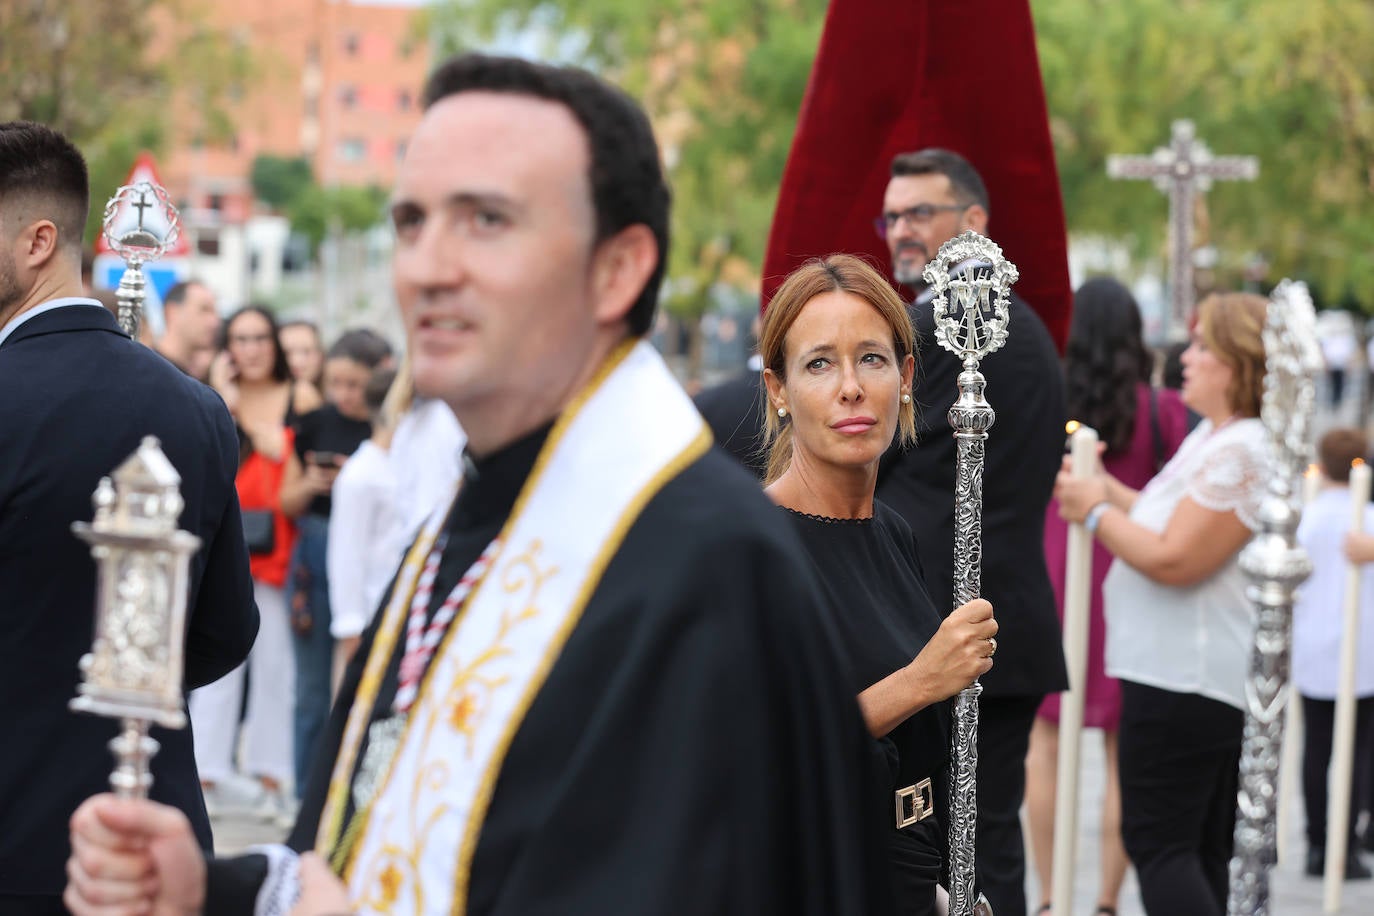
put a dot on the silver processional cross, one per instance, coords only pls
(1183, 169)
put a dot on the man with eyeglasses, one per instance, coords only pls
(932, 196)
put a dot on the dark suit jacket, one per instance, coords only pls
(76, 398)
(1025, 387)
(733, 410)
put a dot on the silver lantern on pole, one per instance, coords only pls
(1276, 565)
(134, 669)
(125, 227)
(971, 281)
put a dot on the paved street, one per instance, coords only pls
(1293, 894)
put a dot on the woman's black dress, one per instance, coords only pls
(872, 580)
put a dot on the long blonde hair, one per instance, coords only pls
(836, 273)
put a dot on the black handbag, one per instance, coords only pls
(259, 531)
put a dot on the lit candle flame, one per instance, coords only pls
(1071, 427)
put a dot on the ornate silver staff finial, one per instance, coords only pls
(1276, 565)
(137, 244)
(971, 270)
(134, 669)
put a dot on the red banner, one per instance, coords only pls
(894, 77)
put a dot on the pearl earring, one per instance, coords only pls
(906, 399)
(782, 413)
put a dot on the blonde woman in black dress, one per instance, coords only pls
(837, 346)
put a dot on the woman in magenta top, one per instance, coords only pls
(1108, 370)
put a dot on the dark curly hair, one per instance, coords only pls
(1105, 359)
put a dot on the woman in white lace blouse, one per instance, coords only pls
(1179, 626)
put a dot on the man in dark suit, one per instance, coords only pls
(78, 397)
(932, 196)
(734, 411)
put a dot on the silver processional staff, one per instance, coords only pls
(127, 228)
(134, 669)
(1276, 564)
(972, 282)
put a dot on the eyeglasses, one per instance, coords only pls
(919, 215)
(243, 340)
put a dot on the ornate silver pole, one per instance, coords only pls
(134, 669)
(137, 244)
(1276, 565)
(970, 327)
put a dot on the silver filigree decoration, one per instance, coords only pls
(138, 243)
(134, 669)
(1276, 565)
(971, 281)
(971, 306)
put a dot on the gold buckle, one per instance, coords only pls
(914, 804)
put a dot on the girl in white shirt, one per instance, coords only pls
(1179, 626)
(362, 517)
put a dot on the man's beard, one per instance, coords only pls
(905, 273)
(11, 293)
(910, 276)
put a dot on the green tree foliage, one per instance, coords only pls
(288, 185)
(277, 180)
(1292, 83)
(722, 81)
(1289, 82)
(115, 75)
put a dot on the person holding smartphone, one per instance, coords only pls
(251, 375)
(325, 439)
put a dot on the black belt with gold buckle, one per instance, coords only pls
(914, 804)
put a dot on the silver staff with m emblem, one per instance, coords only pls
(972, 282)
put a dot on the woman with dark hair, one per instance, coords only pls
(1179, 625)
(838, 350)
(252, 376)
(1107, 369)
(325, 439)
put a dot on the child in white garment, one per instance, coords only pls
(1317, 631)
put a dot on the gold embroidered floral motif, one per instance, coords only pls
(461, 713)
(462, 707)
(390, 879)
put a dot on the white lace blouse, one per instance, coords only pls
(1193, 639)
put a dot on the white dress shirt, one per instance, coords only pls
(1318, 612)
(1196, 638)
(361, 517)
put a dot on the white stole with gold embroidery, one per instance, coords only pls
(603, 461)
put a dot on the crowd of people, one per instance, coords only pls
(613, 671)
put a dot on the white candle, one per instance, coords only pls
(1343, 744)
(1311, 483)
(1077, 603)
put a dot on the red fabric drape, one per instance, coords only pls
(898, 75)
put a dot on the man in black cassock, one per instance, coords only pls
(933, 196)
(678, 738)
